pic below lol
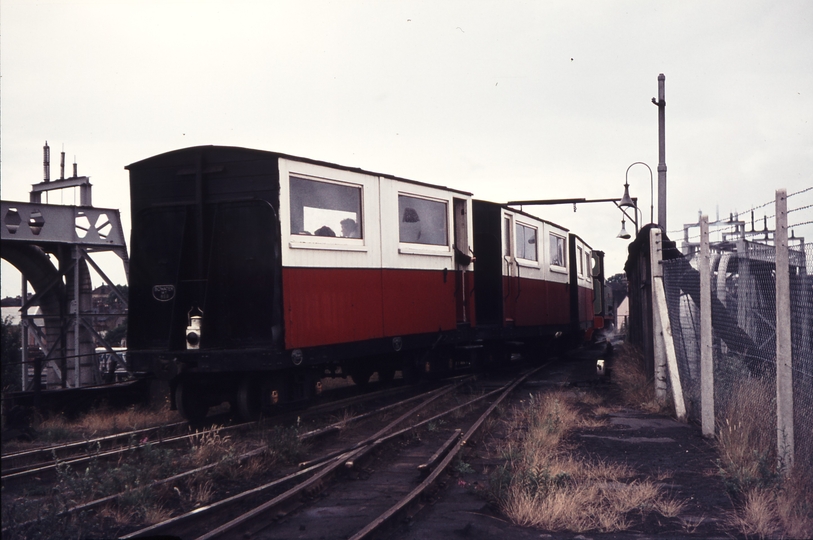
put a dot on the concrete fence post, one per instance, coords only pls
(784, 371)
(658, 352)
(706, 352)
(663, 342)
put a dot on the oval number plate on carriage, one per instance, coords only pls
(163, 293)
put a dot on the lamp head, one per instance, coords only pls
(623, 234)
(626, 200)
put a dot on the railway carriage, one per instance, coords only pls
(534, 279)
(521, 280)
(254, 273)
(586, 293)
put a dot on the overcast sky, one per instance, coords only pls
(508, 100)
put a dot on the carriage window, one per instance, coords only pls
(526, 242)
(325, 209)
(557, 250)
(581, 261)
(422, 221)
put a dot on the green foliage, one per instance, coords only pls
(125, 292)
(435, 426)
(538, 480)
(499, 482)
(739, 480)
(11, 355)
(618, 281)
(461, 467)
(285, 443)
(138, 468)
(114, 336)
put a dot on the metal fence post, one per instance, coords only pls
(24, 336)
(784, 371)
(706, 352)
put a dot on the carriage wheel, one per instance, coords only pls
(190, 402)
(386, 375)
(249, 400)
(361, 376)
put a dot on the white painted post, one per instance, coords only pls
(659, 354)
(784, 371)
(706, 352)
(662, 327)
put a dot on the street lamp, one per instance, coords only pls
(626, 200)
(623, 234)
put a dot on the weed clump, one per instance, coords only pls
(284, 444)
(637, 389)
(540, 484)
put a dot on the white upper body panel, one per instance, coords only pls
(334, 218)
(305, 246)
(533, 248)
(584, 264)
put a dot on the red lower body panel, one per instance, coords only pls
(332, 305)
(341, 305)
(534, 302)
(418, 301)
(585, 305)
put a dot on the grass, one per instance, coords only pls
(768, 503)
(543, 484)
(629, 374)
(98, 422)
(210, 447)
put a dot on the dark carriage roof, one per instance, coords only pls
(155, 160)
(582, 240)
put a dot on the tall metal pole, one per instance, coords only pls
(661, 103)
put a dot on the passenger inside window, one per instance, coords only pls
(557, 250)
(350, 228)
(324, 231)
(320, 208)
(422, 221)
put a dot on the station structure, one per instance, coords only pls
(53, 247)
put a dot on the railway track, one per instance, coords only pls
(41, 462)
(358, 488)
(19, 460)
(37, 472)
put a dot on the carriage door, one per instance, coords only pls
(462, 253)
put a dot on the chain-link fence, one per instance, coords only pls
(743, 318)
